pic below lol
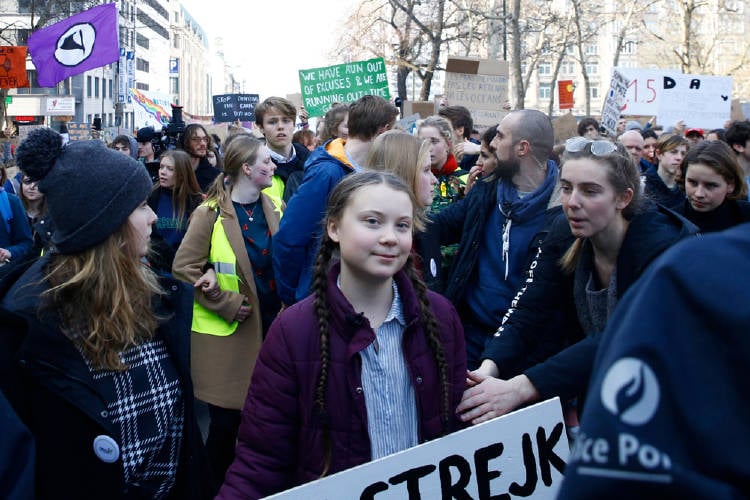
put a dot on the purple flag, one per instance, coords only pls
(85, 41)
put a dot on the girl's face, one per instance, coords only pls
(374, 233)
(438, 146)
(487, 160)
(342, 131)
(166, 172)
(588, 198)
(426, 182)
(706, 189)
(30, 190)
(670, 160)
(649, 149)
(261, 172)
(141, 220)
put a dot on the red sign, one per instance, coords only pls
(25, 118)
(13, 67)
(565, 91)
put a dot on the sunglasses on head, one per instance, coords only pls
(598, 147)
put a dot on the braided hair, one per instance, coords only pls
(337, 202)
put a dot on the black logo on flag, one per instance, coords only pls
(75, 45)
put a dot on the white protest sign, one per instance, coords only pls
(698, 100)
(611, 110)
(643, 91)
(520, 454)
(481, 85)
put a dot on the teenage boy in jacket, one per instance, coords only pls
(296, 243)
(275, 117)
(498, 226)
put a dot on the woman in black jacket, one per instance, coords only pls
(590, 257)
(103, 374)
(715, 188)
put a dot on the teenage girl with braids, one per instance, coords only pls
(368, 365)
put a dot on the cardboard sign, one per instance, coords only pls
(421, 108)
(612, 107)
(521, 454)
(481, 85)
(342, 83)
(25, 130)
(564, 127)
(233, 107)
(79, 131)
(699, 100)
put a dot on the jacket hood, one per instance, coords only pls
(331, 150)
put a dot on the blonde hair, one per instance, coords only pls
(240, 150)
(103, 296)
(399, 153)
(443, 126)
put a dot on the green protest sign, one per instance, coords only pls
(343, 83)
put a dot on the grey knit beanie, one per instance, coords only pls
(91, 190)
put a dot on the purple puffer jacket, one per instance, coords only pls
(280, 442)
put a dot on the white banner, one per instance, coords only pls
(612, 107)
(60, 106)
(698, 100)
(521, 454)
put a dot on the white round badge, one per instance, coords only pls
(106, 449)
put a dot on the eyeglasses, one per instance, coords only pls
(598, 148)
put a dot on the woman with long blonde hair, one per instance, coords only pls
(104, 382)
(230, 235)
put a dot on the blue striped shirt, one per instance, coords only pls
(389, 394)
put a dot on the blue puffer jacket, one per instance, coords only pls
(296, 242)
(18, 240)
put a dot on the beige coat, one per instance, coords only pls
(222, 366)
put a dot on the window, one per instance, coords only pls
(104, 87)
(591, 49)
(176, 41)
(96, 86)
(594, 91)
(545, 90)
(110, 89)
(544, 69)
(174, 85)
(141, 86)
(592, 68)
(570, 49)
(88, 86)
(629, 47)
(141, 65)
(546, 48)
(568, 68)
(141, 40)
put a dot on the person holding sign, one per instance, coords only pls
(715, 188)
(590, 258)
(368, 365)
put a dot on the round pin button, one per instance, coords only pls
(106, 449)
(433, 268)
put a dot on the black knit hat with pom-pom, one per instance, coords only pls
(90, 189)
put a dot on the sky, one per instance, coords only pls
(271, 40)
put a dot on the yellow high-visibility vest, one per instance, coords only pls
(224, 261)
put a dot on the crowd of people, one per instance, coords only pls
(336, 296)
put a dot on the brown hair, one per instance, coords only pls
(186, 187)
(241, 149)
(622, 174)
(721, 159)
(283, 106)
(331, 122)
(368, 114)
(337, 203)
(103, 296)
